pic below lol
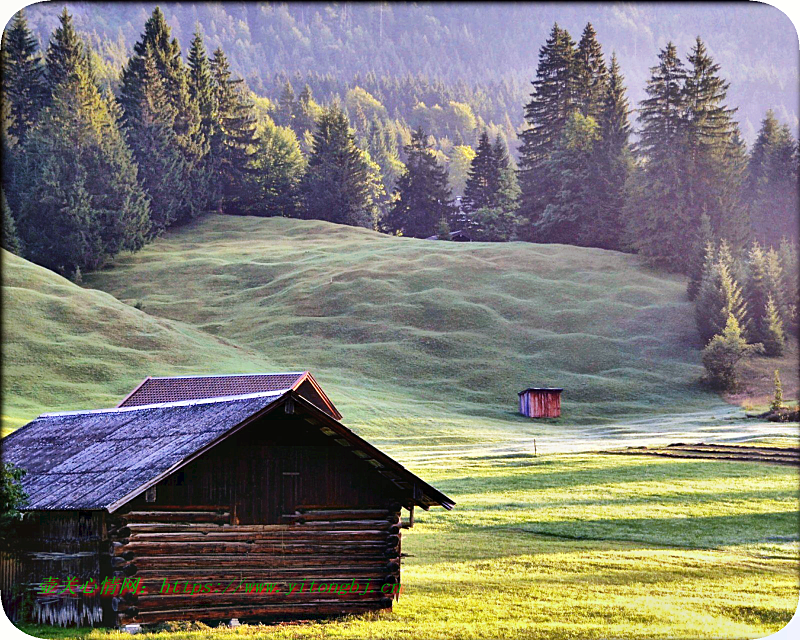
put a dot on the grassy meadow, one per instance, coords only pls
(580, 546)
(422, 346)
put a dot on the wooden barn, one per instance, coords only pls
(248, 506)
(540, 402)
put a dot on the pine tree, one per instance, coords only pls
(80, 201)
(613, 163)
(772, 335)
(234, 137)
(553, 99)
(701, 260)
(771, 185)
(723, 353)
(10, 240)
(591, 74)
(24, 90)
(335, 185)
(157, 43)
(757, 288)
(163, 170)
(423, 197)
(790, 287)
(718, 297)
(508, 191)
(715, 155)
(657, 215)
(483, 181)
(286, 107)
(201, 88)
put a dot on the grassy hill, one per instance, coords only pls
(65, 347)
(417, 338)
(413, 339)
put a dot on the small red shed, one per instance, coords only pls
(540, 402)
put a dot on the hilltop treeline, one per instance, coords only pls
(93, 168)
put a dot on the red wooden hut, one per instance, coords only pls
(540, 402)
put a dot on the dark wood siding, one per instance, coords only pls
(57, 545)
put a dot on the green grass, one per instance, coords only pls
(583, 546)
(65, 347)
(415, 338)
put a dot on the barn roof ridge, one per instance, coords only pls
(174, 403)
(231, 375)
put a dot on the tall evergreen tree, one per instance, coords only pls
(234, 138)
(508, 192)
(10, 239)
(24, 89)
(483, 181)
(201, 89)
(657, 215)
(157, 43)
(719, 297)
(771, 185)
(423, 197)
(790, 283)
(80, 201)
(715, 156)
(772, 335)
(553, 99)
(335, 187)
(591, 74)
(613, 163)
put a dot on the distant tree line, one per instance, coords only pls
(90, 172)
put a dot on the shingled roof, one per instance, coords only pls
(73, 459)
(154, 390)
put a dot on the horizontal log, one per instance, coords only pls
(339, 514)
(269, 547)
(244, 536)
(262, 561)
(156, 602)
(172, 516)
(155, 578)
(257, 610)
(136, 528)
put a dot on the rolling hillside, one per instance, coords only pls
(65, 347)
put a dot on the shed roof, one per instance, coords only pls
(519, 393)
(101, 459)
(153, 390)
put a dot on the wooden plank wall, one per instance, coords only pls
(56, 545)
(540, 404)
(198, 545)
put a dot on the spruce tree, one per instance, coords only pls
(483, 181)
(715, 155)
(80, 201)
(613, 164)
(591, 74)
(423, 197)
(286, 107)
(757, 289)
(777, 396)
(701, 260)
(772, 335)
(771, 185)
(553, 99)
(790, 285)
(24, 89)
(657, 215)
(335, 185)
(157, 43)
(10, 240)
(723, 353)
(234, 138)
(718, 297)
(201, 89)
(508, 191)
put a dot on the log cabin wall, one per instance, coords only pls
(57, 546)
(277, 503)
